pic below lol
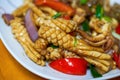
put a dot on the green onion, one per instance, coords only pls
(94, 72)
(75, 42)
(83, 1)
(99, 11)
(106, 18)
(53, 46)
(57, 15)
(85, 26)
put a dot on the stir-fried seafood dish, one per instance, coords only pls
(76, 31)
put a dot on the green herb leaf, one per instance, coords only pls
(75, 42)
(85, 26)
(53, 46)
(57, 15)
(94, 72)
(99, 11)
(108, 19)
(83, 1)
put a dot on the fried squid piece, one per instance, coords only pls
(102, 66)
(59, 23)
(100, 26)
(57, 53)
(53, 54)
(36, 10)
(97, 43)
(68, 42)
(79, 17)
(65, 25)
(22, 36)
(40, 44)
(110, 42)
(48, 10)
(20, 11)
(96, 38)
(69, 54)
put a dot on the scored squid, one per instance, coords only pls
(31, 49)
(59, 23)
(66, 41)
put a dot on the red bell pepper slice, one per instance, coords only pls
(116, 57)
(118, 29)
(74, 66)
(59, 6)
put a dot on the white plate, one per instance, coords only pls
(18, 53)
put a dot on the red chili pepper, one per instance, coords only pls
(118, 29)
(66, 17)
(116, 57)
(59, 6)
(74, 66)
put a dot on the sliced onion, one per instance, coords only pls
(31, 28)
(7, 18)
